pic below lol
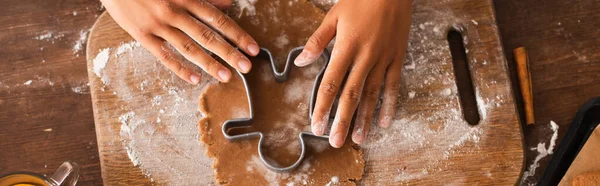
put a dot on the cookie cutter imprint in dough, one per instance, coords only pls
(247, 122)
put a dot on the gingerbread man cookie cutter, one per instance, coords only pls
(247, 122)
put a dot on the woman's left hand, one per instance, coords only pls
(370, 45)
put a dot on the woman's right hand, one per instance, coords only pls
(186, 25)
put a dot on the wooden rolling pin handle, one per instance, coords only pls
(522, 60)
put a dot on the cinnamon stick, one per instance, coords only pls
(523, 71)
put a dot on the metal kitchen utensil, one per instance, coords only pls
(247, 122)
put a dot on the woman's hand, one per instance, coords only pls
(370, 45)
(186, 24)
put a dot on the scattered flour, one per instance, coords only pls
(435, 133)
(446, 92)
(156, 100)
(296, 92)
(410, 66)
(81, 89)
(40, 80)
(162, 139)
(80, 42)
(297, 89)
(100, 61)
(126, 47)
(411, 94)
(247, 6)
(126, 117)
(282, 41)
(543, 151)
(334, 181)
(49, 36)
(45, 36)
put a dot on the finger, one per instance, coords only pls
(159, 48)
(390, 94)
(221, 4)
(224, 25)
(317, 42)
(214, 42)
(191, 51)
(328, 89)
(368, 102)
(349, 98)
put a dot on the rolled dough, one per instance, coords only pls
(281, 109)
(587, 179)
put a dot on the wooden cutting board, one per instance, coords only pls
(146, 118)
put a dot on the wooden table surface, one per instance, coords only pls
(48, 120)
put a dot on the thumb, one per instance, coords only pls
(317, 42)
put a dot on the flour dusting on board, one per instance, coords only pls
(432, 137)
(126, 47)
(162, 139)
(100, 61)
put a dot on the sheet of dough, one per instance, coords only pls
(281, 109)
(586, 161)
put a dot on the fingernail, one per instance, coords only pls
(195, 78)
(357, 135)
(386, 122)
(305, 58)
(336, 140)
(253, 49)
(318, 125)
(225, 75)
(317, 128)
(358, 138)
(244, 66)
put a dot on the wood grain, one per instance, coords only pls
(498, 157)
(495, 158)
(28, 112)
(117, 168)
(563, 81)
(564, 51)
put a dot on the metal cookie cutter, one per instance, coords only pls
(247, 122)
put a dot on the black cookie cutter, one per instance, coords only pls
(247, 122)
